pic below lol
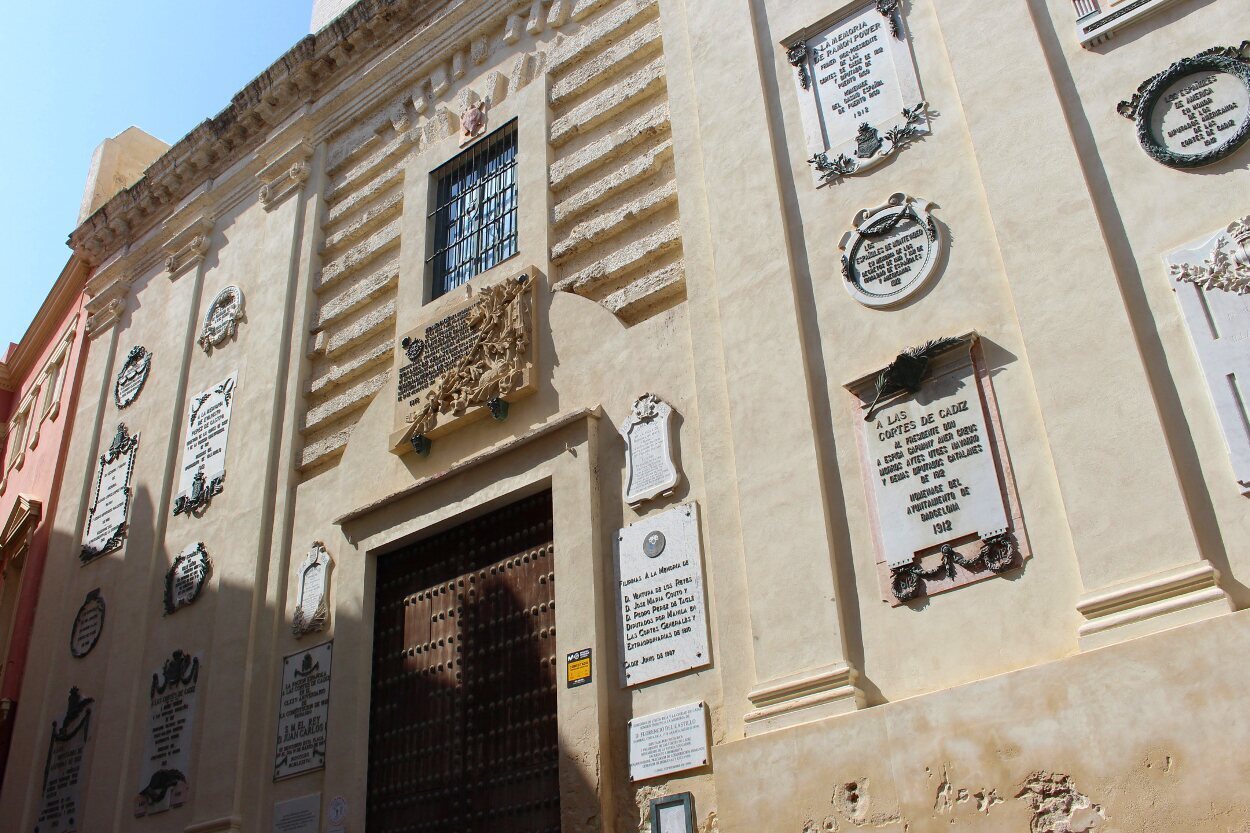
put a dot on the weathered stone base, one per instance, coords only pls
(1147, 735)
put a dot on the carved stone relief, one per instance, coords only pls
(312, 601)
(649, 466)
(133, 376)
(221, 322)
(471, 361)
(858, 89)
(1197, 111)
(892, 252)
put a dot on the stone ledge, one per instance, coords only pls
(1152, 603)
(803, 698)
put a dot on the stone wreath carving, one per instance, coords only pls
(1141, 108)
(1227, 268)
(997, 554)
(494, 367)
(221, 322)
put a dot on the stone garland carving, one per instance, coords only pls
(871, 144)
(892, 252)
(1230, 61)
(221, 322)
(132, 378)
(998, 555)
(312, 606)
(123, 443)
(492, 368)
(1227, 268)
(187, 577)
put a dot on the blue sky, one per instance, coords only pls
(78, 72)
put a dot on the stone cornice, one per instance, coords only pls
(313, 65)
(46, 325)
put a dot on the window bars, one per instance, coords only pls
(475, 214)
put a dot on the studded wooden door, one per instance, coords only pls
(462, 733)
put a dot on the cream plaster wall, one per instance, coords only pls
(1074, 664)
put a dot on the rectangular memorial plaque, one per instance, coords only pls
(857, 86)
(662, 621)
(451, 367)
(59, 809)
(298, 815)
(670, 741)
(934, 462)
(204, 446)
(106, 519)
(303, 712)
(166, 766)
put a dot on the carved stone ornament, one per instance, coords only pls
(186, 577)
(858, 90)
(285, 175)
(133, 376)
(1227, 267)
(892, 252)
(1197, 111)
(106, 519)
(473, 120)
(649, 466)
(222, 320)
(312, 602)
(470, 362)
(88, 625)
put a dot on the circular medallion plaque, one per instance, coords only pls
(1195, 112)
(653, 545)
(88, 625)
(892, 252)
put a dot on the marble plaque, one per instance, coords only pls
(662, 620)
(298, 815)
(1211, 278)
(204, 447)
(187, 577)
(60, 803)
(649, 466)
(1197, 111)
(469, 360)
(858, 90)
(221, 322)
(133, 375)
(106, 519)
(303, 712)
(931, 466)
(88, 625)
(166, 766)
(892, 252)
(312, 603)
(667, 742)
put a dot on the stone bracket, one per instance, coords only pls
(189, 246)
(285, 175)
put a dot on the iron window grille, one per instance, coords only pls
(475, 214)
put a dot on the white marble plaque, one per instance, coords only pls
(106, 519)
(662, 620)
(133, 375)
(858, 89)
(60, 804)
(204, 447)
(312, 603)
(303, 712)
(667, 742)
(298, 815)
(221, 322)
(649, 466)
(892, 252)
(931, 465)
(166, 767)
(187, 577)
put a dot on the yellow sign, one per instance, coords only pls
(579, 668)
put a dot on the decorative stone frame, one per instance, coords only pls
(968, 561)
(870, 222)
(1228, 60)
(221, 322)
(140, 361)
(648, 408)
(54, 373)
(832, 163)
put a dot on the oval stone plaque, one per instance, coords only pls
(1197, 111)
(88, 625)
(892, 252)
(186, 578)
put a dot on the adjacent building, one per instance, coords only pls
(612, 414)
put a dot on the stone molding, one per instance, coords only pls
(189, 246)
(1227, 267)
(285, 175)
(1175, 597)
(804, 697)
(313, 67)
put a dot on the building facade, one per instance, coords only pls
(599, 414)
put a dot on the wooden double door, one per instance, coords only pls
(462, 733)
